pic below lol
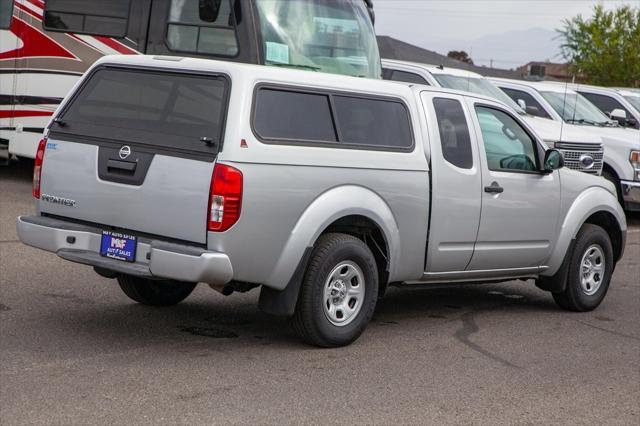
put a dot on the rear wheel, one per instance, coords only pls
(339, 292)
(155, 292)
(589, 271)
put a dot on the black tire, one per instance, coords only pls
(310, 321)
(611, 177)
(575, 297)
(155, 292)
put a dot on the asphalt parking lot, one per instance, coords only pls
(75, 350)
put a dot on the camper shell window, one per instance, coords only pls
(167, 110)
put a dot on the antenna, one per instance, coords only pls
(564, 103)
(469, 68)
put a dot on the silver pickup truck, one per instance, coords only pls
(322, 190)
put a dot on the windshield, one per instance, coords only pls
(320, 35)
(476, 85)
(574, 108)
(633, 100)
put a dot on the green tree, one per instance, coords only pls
(606, 47)
(460, 55)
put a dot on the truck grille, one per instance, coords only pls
(576, 156)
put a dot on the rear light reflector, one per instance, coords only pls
(37, 169)
(225, 198)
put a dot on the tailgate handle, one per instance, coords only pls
(125, 166)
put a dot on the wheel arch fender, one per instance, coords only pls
(330, 206)
(592, 201)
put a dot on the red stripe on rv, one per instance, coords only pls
(23, 113)
(29, 11)
(35, 43)
(38, 3)
(115, 45)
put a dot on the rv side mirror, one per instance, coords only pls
(372, 14)
(553, 160)
(619, 115)
(522, 104)
(209, 10)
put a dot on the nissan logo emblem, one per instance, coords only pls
(124, 152)
(586, 161)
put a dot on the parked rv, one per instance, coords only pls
(45, 47)
(582, 151)
(622, 145)
(323, 190)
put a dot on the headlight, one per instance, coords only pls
(634, 159)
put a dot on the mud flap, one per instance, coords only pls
(558, 282)
(283, 302)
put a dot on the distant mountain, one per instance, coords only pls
(508, 50)
(515, 48)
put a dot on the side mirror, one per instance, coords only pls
(553, 160)
(522, 104)
(533, 110)
(619, 115)
(209, 10)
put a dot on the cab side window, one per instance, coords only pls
(6, 12)
(406, 77)
(533, 106)
(202, 27)
(454, 132)
(99, 17)
(605, 103)
(508, 147)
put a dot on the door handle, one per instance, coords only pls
(122, 166)
(495, 188)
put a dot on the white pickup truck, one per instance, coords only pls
(323, 190)
(561, 104)
(582, 151)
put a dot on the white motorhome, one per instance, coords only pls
(46, 46)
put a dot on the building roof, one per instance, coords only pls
(391, 48)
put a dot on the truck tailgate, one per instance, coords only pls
(134, 149)
(171, 202)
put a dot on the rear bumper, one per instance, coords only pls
(154, 258)
(631, 195)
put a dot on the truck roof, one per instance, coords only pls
(435, 69)
(279, 74)
(538, 85)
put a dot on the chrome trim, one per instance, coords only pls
(574, 153)
(480, 275)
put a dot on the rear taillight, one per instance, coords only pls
(37, 169)
(225, 198)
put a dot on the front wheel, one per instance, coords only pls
(155, 292)
(611, 177)
(339, 292)
(589, 271)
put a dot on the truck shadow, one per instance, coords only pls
(18, 170)
(237, 322)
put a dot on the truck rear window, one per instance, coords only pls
(151, 108)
